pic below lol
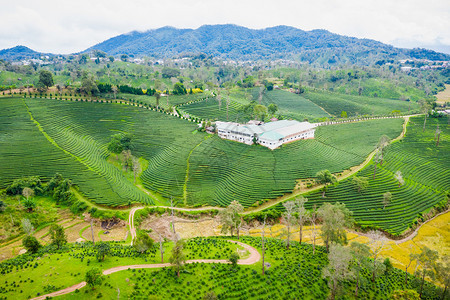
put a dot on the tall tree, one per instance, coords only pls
(383, 142)
(325, 177)
(88, 85)
(398, 175)
(313, 220)
(94, 277)
(425, 108)
(142, 242)
(443, 274)
(427, 261)
(57, 235)
(387, 198)
(31, 244)
(338, 268)
(263, 248)
(46, 78)
(360, 254)
(377, 243)
(230, 218)
(361, 183)
(136, 167)
(334, 220)
(288, 216)
(272, 108)
(178, 258)
(27, 226)
(103, 249)
(302, 214)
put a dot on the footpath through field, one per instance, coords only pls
(252, 259)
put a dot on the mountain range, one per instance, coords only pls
(241, 43)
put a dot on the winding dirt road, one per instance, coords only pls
(252, 259)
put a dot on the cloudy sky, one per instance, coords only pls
(61, 26)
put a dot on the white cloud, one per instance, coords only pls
(70, 26)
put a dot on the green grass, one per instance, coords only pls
(335, 103)
(425, 168)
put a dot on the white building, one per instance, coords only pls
(271, 135)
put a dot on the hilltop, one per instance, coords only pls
(241, 43)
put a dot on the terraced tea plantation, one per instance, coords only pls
(211, 109)
(291, 105)
(426, 171)
(192, 167)
(222, 171)
(335, 103)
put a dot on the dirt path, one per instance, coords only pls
(345, 175)
(252, 259)
(131, 222)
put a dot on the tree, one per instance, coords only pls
(334, 220)
(387, 198)
(438, 135)
(361, 183)
(45, 78)
(259, 111)
(94, 277)
(288, 215)
(157, 96)
(27, 226)
(377, 159)
(272, 108)
(103, 249)
(427, 260)
(325, 177)
(263, 241)
(398, 175)
(126, 159)
(443, 274)
(114, 90)
(230, 218)
(161, 248)
(343, 114)
(383, 142)
(27, 192)
(2, 206)
(338, 268)
(124, 57)
(142, 242)
(31, 244)
(377, 244)
(425, 108)
(115, 146)
(178, 258)
(136, 167)
(179, 89)
(360, 254)
(29, 204)
(88, 85)
(313, 220)
(57, 235)
(302, 214)
(233, 259)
